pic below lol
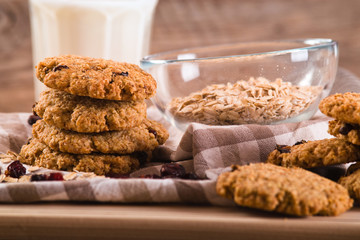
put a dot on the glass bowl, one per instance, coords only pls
(267, 82)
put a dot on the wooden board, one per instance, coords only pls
(110, 221)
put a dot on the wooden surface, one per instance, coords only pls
(189, 23)
(89, 221)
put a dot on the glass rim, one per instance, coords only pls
(313, 43)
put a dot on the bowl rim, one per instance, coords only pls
(313, 43)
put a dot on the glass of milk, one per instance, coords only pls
(111, 29)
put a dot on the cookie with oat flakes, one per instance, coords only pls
(84, 114)
(315, 153)
(292, 191)
(38, 154)
(96, 78)
(344, 107)
(347, 131)
(145, 137)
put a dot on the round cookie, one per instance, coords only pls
(293, 191)
(145, 137)
(315, 153)
(344, 107)
(345, 131)
(96, 78)
(37, 153)
(84, 114)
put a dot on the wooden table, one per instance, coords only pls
(110, 221)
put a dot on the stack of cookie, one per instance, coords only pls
(93, 117)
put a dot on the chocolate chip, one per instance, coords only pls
(283, 148)
(345, 128)
(59, 67)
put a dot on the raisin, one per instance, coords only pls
(172, 170)
(153, 132)
(15, 169)
(33, 119)
(60, 67)
(300, 142)
(345, 128)
(283, 148)
(114, 74)
(38, 177)
(117, 175)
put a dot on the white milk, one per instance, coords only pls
(111, 29)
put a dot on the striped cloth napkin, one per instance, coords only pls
(206, 150)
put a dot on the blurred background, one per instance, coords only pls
(190, 23)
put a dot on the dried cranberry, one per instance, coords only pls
(345, 128)
(172, 170)
(38, 177)
(117, 175)
(15, 169)
(283, 148)
(60, 67)
(32, 119)
(55, 176)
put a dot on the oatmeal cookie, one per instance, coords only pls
(145, 137)
(84, 114)
(352, 181)
(96, 78)
(293, 191)
(315, 153)
(347, 131)
(344, 107)
(37, 153)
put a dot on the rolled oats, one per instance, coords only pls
(253, 101)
